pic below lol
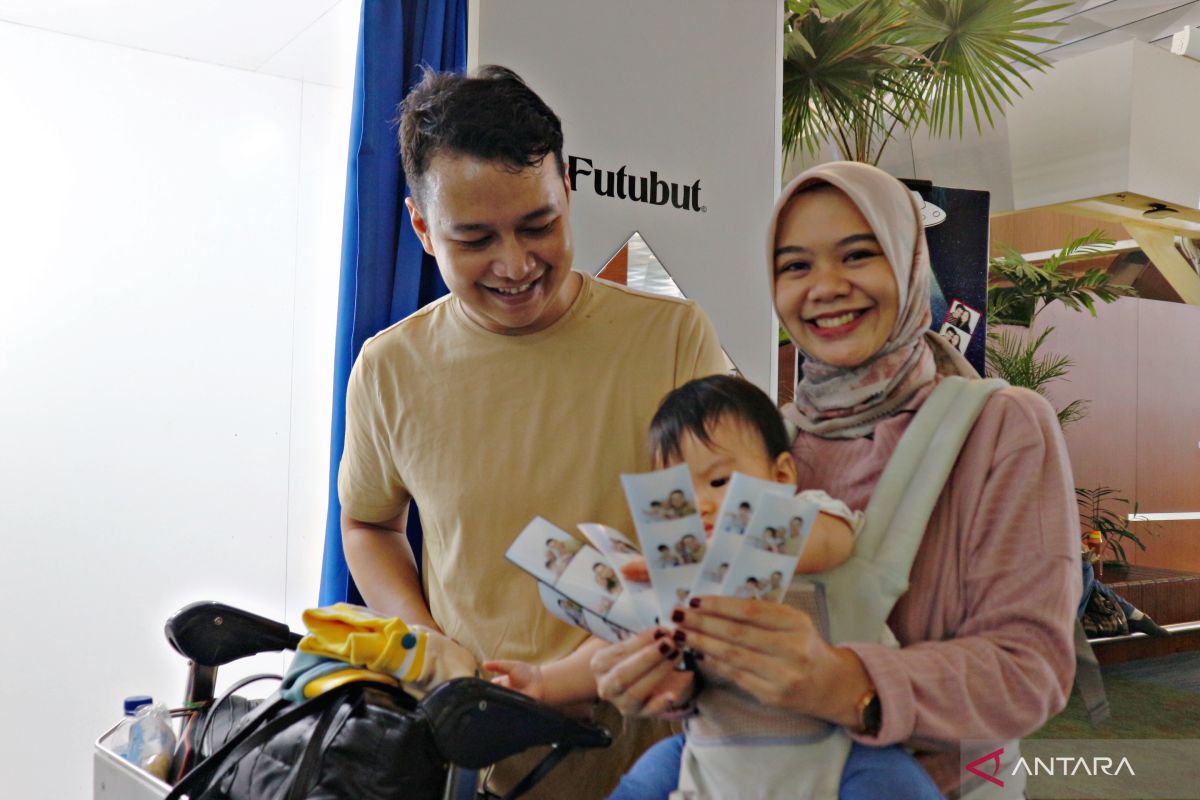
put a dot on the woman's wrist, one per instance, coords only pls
(848, 686)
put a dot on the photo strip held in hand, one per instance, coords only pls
(745, 495)
(577, 583)
(670, 531)
(753, 551)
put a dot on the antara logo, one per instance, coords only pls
(640, 189)
(994, 757)
(1073, 765)
(1058, 765)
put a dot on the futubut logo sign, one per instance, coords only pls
(621, 184)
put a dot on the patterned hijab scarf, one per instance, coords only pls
(846, 403)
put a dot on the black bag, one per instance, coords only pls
(1103, 617)
(359, 741)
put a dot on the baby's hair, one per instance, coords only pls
(700, 404)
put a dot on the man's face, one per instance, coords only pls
(502, 240)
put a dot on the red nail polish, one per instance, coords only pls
(694, 602)
(660, 633)
(671, 656)
(664, 647)
(677, 616)
(679, 636)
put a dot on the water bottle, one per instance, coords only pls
(120, 740)
(144, 738)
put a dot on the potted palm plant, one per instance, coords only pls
(856, 71)
(1096, 514)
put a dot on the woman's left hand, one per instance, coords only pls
(775, 653)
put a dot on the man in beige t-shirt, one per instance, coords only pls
(527, 391)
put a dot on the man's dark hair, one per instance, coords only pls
(492, 115)
(700, 404)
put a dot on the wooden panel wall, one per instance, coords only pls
(1138, 362)
(1040, 229)
(1168, 428)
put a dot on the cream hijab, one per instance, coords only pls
(846, 403)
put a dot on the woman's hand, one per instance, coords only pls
(638, 675)
(518, 676)
(775, 653)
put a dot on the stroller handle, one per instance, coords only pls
(212, 634)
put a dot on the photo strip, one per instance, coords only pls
(674, 550)
(962, 316)
(764, 566)
(572, 577)
(543, 550)
(955, 336)
(670, 531)
(619, 550)
(591, 581)
(659, 496)
(737, 509)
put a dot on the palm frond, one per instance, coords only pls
(1016, 286)
(976, 48)
(1020, 361)
(850, 82)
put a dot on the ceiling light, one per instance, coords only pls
(1159, 211)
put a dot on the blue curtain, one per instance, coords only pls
(385, 274)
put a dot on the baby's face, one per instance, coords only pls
(733, 446)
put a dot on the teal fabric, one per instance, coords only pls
(306, 667)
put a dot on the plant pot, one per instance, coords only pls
(1116, 569)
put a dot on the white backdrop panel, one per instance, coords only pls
(155, 298)
(688, 89)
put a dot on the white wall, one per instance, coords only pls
(169, 247)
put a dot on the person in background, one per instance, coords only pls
(1137, 620)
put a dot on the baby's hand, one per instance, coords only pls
(636, 570)
(518, 676)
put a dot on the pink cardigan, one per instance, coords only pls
(986, 628)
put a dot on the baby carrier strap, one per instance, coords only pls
(914, 476)
(900, 507)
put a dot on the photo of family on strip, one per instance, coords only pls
(673, 542)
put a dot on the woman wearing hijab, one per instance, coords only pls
(986, 627)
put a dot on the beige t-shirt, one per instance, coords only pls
(487, 431)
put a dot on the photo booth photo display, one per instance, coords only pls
(760, 531)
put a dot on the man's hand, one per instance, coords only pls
(444, 659)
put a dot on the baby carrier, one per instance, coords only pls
(725, 760)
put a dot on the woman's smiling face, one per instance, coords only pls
(835, 290)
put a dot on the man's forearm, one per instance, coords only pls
(385, 571)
